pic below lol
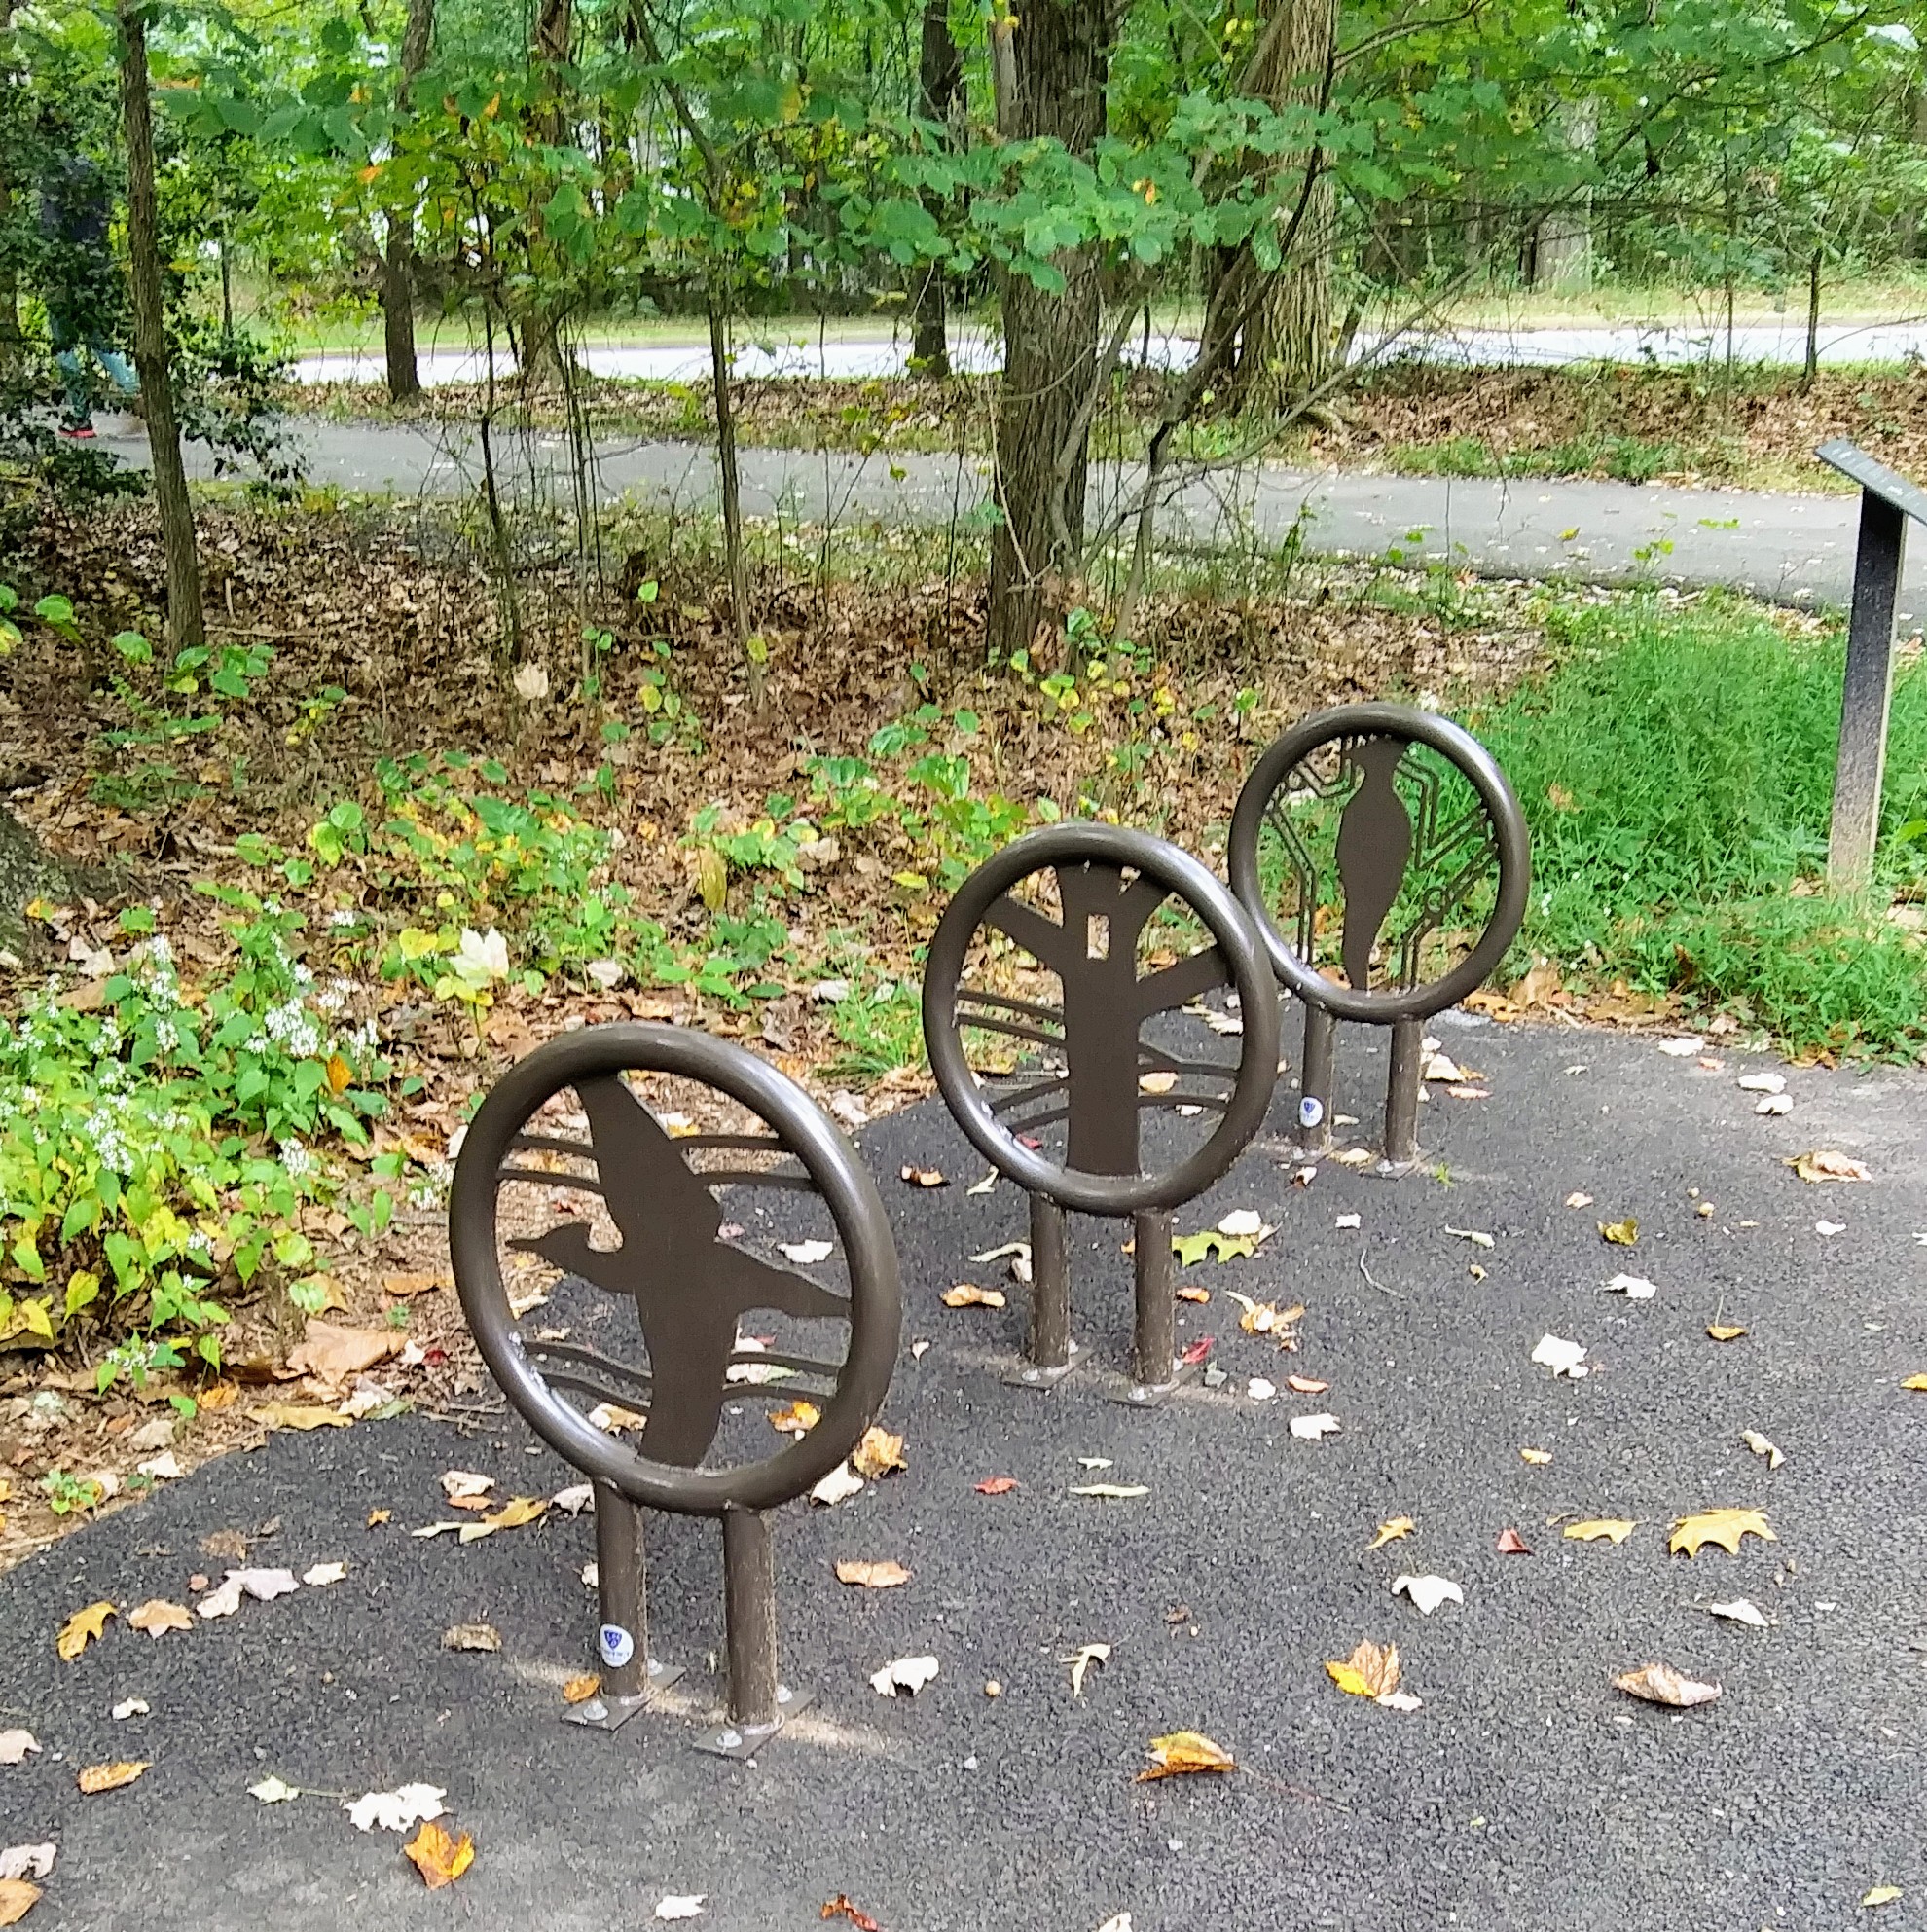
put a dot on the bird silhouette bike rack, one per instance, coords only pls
(585, 1218)
(1054, 1091)
(1403, 823)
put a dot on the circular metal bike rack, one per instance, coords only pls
(591, 1214)
(1402, 823)
(1041, 978)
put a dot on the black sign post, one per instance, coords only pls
(610, 1209)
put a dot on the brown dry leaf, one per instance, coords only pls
(579, 1690)
(471, 1638)
(440, 1859)
(414, 1284)
(1306, 1385)
(1825, 1164)
(340, 1074)
(1184, 1753)
(333, 1353)
(18, 1898)
(1725, 1527)
(1371, 1671)
(157, 1616)
(967, 1295)
(884, 1575)
(841, 1908)
(798, 1417)
(82, 1629)
(1661, 1684)
(1607, 1529)
(297, 1416)
(220, 1395)
(1186, 1291)
(1512, 1544)
(1621, 1233)
(997, 1486)
(1390, 1531)
(377, 1517)
(878, 1453)
(1724, 1331)
(924, 1176)
(110, 1777)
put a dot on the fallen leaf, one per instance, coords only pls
(1310, 1427)
(1267, 1318)
(923, 1177)
(395, 1810)
(16, 1746)
(1635, 1288)
(574, 1499)
(1349, 1221)
(1621, 1233)
(805, 1254)
(1190, 1292)
(1775, 1104)
(296, 1415)
(219, 1395)
(1184, 1754)
(262, 1586)
(1661, 1684)
(837, 1486)
(1259, 1389)
(273, 1791)
(905, 1673)
(440, 1859)
(1080, 1661)
(1607, 1529)
(465, 1485)
(1208, 1244)
(471, 1638)
(1371, 1671)
(1306, 1385)
(1195, 1352)
(1725, 1527)
(1161, 1082)
(798, 1418)
(332, 1353)
(96, 1779)
(18, 1898)
(28, 1861)
(1724, 1331)
(1827, 1229)
(1740, 1611)
(1825, 1164)
(130, 1707)
(876, 1454)
(1512, 1544)
(407, 1285)
(377, 1517)
(164, 1468)
(430, 1530)
(1760, 1447)
(967, 1295)
(1537, 1457)
(1477, 1236)
(885, 1574)
(1398, 1700)
(1244, 1223)
(1562, 1357)
(841, 1908)
(1684, 1048)
(1915, 1382)
(1762, 1083)
(1116, 1492)
(1879, 1895)
(686, 1905)
(1391, 1531)
(1578, 1200)
(82, 1629)
(997, 1486)
(984, 1185)
(579, 1690)
(1428, 1593)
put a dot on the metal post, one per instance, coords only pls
(1868, 692)
(1049, 1352)
(630, 1676)
(1315, 1082)
(1155, 1342)
(1402, 1093)
(750, 1617)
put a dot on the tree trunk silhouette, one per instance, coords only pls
(187, 622)
(398, 264)
(939, 81)
(1563, 257)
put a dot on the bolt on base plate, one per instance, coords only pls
(1036, 1375)
(1153, 1395)
(742, 1741)
(612, 1713)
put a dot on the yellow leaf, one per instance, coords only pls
(110, 1777)
(967, 1295)
(1181, 1753)
(1391, 1531)
(1609, 1529)
(157, 1616)
(1825, 1164)
(18, 1898)
(1915, 1382)
(1621, 1233)
(82, 1629)
(296, 1415)
(1536, 1456)
(1881, 1895)
(1371, 1671)
(579, 1690)
(516, 1512)
(340, 1074)
(1187, 1293)
(924, 1176)
(1725, 1527)
(1724, 1331)
(711, 878)
(797, 1417)
(377, 1517)
(218, 1394)
(884, 1574)
(440, 1859)
(878, 1453)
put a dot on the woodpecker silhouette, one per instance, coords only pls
(690, 1288)
(1374, 842)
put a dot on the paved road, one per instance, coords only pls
(1525, 1796)
(1795, 549)
(791, 350)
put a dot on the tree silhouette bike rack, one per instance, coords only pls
(1401, 823)
(1063, 1115)
(603, 1203)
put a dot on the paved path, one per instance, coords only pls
(1525, 1796)
(1796, 548)
(789, 350)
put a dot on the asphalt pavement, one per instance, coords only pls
(1524, 1793)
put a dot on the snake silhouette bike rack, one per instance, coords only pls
(585, 1218)
(1404, 823)
(1054, 1091)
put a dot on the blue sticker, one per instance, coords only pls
(617, 1646)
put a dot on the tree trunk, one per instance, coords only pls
(939, 80)
(398, 265)
(1811, 372)
(1563, 258)
(1286, 340)
(732, 494)
(187, 623)
(538, 330)
(28, 871)
(14, 82)
(1911, 232)
(1056, 62)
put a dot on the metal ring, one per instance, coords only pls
(1181, 877)
(1480, 768)
(875, 1311)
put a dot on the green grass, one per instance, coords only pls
(1629, 458)
(1677, 769)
